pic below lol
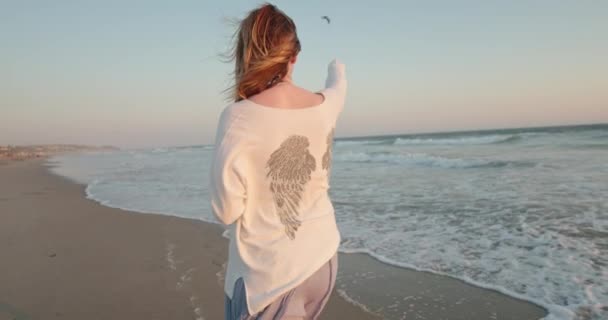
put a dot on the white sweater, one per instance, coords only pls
(269, 183)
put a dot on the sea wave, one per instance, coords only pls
(343, 143)
(487, 139)
(426, 160)
(597, 146)
(463, 140)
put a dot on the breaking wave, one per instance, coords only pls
(490, 139)
(427, 160)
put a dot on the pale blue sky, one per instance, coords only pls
(147, 73)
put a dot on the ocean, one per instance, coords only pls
(522, 211)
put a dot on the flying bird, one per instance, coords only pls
(326, 18)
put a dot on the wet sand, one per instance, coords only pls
(400, 293)
(68, 257)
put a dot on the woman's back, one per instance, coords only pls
(287, 96)
(270, 182)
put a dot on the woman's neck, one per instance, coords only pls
(287, 79)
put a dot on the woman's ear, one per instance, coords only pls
(293, 59)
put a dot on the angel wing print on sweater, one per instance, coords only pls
(326, 161)
(289, 168)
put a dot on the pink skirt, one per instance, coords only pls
(305, 301)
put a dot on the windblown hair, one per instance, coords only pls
(263, 44)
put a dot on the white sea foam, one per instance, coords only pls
(344, 143)
(487, 139)
(423, 159)
(352, 301)
(184, 278)
(170, 257)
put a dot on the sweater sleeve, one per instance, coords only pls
(336, 83)
(228, 194)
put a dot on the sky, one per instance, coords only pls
(149, 73)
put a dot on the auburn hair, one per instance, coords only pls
(263, 44)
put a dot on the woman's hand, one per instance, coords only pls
(336, 75)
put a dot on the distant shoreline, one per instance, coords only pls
(25, 152)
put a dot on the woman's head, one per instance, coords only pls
(266, 42)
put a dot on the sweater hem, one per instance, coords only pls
(295, 285)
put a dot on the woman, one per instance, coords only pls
(270, 176)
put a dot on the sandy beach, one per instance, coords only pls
(68, 257)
